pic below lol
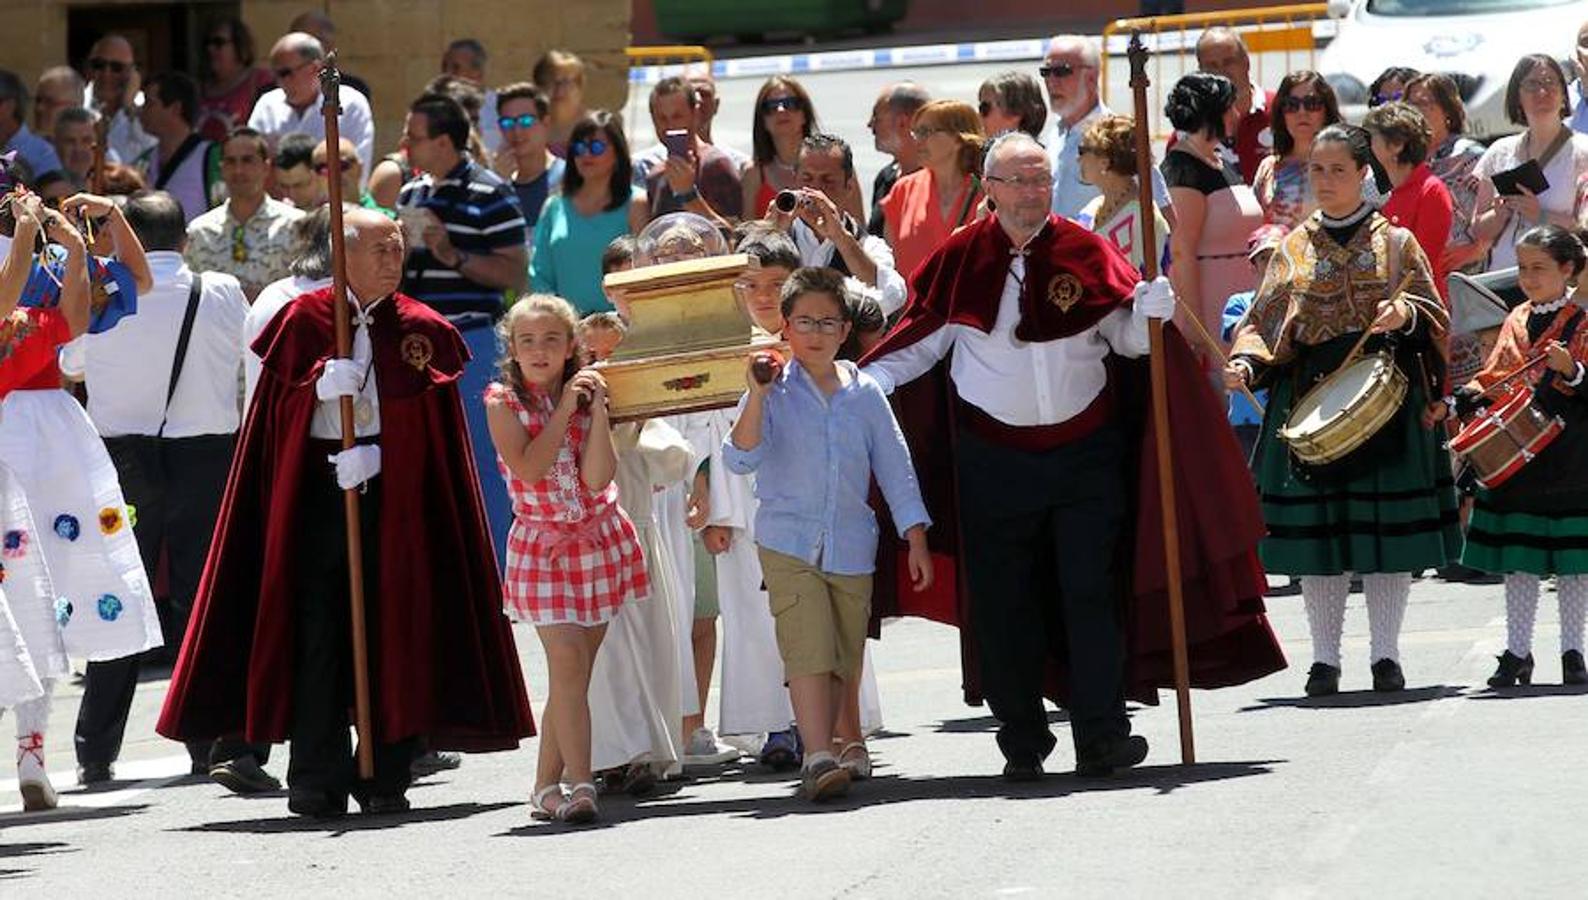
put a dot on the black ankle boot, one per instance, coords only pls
(1322, 680)
(1387, 676)
(1572, 669)
(1512, 671)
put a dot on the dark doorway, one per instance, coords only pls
(164, 36)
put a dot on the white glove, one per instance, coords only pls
(1155, 298)
(355, 466)
(340, 378)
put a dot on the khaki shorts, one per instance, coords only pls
(821, 617)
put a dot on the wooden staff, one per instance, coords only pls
(330, 90)
(1160, 405)
(96, 175)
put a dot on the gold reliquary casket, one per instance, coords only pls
(688, 339)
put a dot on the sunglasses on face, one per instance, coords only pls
(286, 72)
(1310, 103)
(113, 66)
(808, 325)
(594, 147)
(509, 123)
(780, 104)
(217, 42)
(1381, 99)
(323, 167)
(239, 246)
(985, 108)
(1060, 70)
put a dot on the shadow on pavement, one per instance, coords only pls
(988, 724)
(68, 814)
(1358, 699)
(12, 851)
(288, 823)
(1537, 690)
(884, 790)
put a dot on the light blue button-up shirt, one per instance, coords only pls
(813, 471)
(1070, 193)
(38, 153)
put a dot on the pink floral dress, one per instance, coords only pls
(573, 557)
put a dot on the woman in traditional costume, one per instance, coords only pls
(1387, 509)
(1532, 524)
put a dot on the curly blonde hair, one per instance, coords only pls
(523, 308)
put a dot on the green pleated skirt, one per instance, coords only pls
(1389, 507)
(1537, 521)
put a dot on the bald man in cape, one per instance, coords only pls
(1018, 378)
(268, 654)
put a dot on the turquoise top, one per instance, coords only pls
(567, 257)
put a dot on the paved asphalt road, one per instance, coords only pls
(1446, 790)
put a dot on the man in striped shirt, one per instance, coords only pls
(471, 233)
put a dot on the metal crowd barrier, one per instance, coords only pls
(1292, 30)
(648, 65)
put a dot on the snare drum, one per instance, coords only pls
(1344, 410)
(1506, 437)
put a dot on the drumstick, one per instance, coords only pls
(1519, 370)
(1218, 350)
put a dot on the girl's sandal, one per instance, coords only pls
(581, 806)
(857, 759)
(538, 809)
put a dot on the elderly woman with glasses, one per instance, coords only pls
(1506, 207)
(1108, 163)
(927, 205)
(596, 204)
(1303, 106)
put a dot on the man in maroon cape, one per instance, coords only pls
(1034, 438)
(268, 653)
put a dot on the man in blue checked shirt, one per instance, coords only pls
(815, 432)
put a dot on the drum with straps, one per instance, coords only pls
(1508, 436)
(1344, 410)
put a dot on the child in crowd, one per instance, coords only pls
(815, 433)
(1532, 524)
(599, 335)
(1247, 420)
(573, 557)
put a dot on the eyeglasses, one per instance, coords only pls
(285, 72)
(808, 325)
(1540, 85)
(1059, 70)
(921, 134)
(594, 147)
(1381, 99)
(113, 66)
(1041, 182)
(239, 247)
(217, 41)
(509, 123)
(324, 167)
(1310, 103)
(780, 104)
(984, 108)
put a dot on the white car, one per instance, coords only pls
(1477, 41)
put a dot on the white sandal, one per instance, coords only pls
(579, 810)
(537, 803)
(859, 765)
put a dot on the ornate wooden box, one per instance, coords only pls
(687, 342)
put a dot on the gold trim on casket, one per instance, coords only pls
(674, 383)
(681, 307)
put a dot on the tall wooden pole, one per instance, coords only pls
(330, 90)
(96, 173)
(1160, 401)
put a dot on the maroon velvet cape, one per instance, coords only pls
(442, 661)
(1228, 635)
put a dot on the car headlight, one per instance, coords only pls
(1347, 89)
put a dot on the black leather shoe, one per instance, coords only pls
(1387, 677)
(1021, 772)
(1512, 671)
(244, 776)
(316, 804)
(383, 804)
(1105, 757)
(1572, 670)
(1323, 680)
(89, 774)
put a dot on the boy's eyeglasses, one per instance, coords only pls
(1310, 103)
(509, 123)
(808, 325)
(779, 104)
(588, 148)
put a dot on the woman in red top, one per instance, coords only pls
(231, 80)
(1418, 200)
(927, 205)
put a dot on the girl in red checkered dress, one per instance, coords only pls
(573, 558)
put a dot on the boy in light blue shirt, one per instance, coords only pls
(815, 432)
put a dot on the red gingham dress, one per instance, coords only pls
(573, 557)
